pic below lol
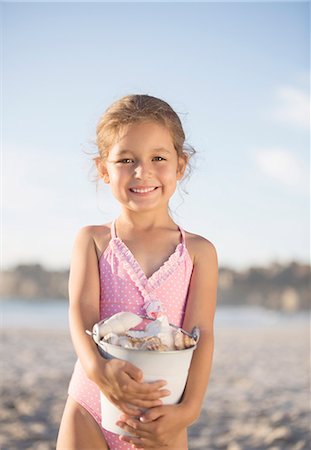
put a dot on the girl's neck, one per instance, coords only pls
(144, 221)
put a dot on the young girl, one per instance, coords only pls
(141, 259)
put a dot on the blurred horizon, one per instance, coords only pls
(236, 73)
(278, 287)
(237, 269)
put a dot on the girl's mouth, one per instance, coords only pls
(143, 190)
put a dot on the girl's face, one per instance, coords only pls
(142, 168)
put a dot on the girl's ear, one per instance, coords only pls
(182, 164)
(102, 170)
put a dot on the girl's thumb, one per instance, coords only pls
(134, 372)
(150, 415)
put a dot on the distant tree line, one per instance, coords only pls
(277, 286)
(33, 281)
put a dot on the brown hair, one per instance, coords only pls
(134, 109)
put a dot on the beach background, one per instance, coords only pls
(258, 395)
(238, 75)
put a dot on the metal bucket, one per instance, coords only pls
(171, 366)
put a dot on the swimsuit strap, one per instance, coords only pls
(183, 235)
(114, 233)
(113, 229)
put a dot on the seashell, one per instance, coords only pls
(154, 344)
(166, 333)
(158, 335)
(189, 341)
(167, 339)
(132, 342)
(111, 338)
(159, 328)
(125, 342)
(182, 341)
(144, 343)
(179, 341)
(118, 323)
(138, 334)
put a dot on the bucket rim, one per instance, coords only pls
(112, 346)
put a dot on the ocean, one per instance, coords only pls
(53, 314)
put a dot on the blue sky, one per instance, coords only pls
(237, 74)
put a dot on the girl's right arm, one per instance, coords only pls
(84, 299)
(119, 380)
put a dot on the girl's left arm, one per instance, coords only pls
(201, 307)
(162, 425)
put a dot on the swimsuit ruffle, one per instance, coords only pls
(147, 285)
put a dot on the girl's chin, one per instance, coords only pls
(145, 206)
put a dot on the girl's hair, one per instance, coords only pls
(135, 109)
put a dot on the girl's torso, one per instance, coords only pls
(157, 276)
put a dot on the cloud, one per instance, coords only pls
(293, 108)
(281, 165)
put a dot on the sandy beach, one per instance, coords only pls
(258, 395)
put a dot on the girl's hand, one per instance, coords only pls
(123, 385)
(159, 427)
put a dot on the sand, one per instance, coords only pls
(258, 395)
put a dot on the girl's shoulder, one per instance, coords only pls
(99, 234)
(200, 248)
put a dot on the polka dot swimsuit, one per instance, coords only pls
(125, 287)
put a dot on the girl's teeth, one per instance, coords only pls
(142, 191)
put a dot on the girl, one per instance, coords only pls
(140, 260)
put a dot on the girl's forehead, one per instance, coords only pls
(143, 128)
(146, 134)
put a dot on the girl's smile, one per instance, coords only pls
(143, 190)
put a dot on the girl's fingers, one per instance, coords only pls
(136, 442)
(128, 409)
(139, 395)
(134, 372)
(151, 396)
(145, 388)
(131, 428)
(122, 401)
(155, 384)
(156, 395)
(151, 415)
(135, 427)
(146, 404)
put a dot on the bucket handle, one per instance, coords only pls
(195, 332)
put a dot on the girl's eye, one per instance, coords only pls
(129, 160)
(159, 158)
(125, 161)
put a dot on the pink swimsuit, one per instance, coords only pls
(125, 287)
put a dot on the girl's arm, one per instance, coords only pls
(162, 425)
(200, 311)
(84, 299)
(119, 380)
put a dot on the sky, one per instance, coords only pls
(237, 73)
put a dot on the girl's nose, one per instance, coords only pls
(142, 169)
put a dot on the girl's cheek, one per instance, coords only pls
(124, 170)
